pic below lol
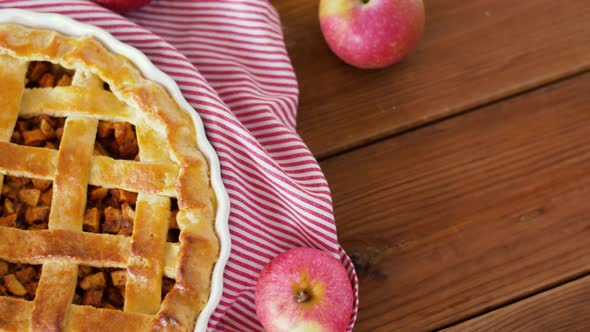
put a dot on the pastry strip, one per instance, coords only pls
(154, 178)
(71, 178)
(40, 163)
(34, 162)
(15, 314)
(58, 279)
(75, 100)
(85, 318)
(36, 247)
(54, 296)
(146, 261)
(13, 75)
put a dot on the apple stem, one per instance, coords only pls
(302, 296)
(365, 2)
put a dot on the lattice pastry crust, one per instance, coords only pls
(169, 166)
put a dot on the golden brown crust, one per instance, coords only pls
(171, 166)
(54, 295)
(148, 243)
(146, 177)
(149, 177)
(11, 71)
(85, 318)
(62, 101)
(15, 314)
(36, 247)
(37, 162)
(73, 162)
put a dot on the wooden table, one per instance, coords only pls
(461, 176)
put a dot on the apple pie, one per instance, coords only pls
(106, 210)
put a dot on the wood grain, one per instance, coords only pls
(565, 308)
(461, 217)
(472, 53)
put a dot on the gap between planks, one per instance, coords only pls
(481, 107)
(551, 287)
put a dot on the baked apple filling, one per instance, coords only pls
(25, 203)
(101, 287)
(42, 74)
(39, 131)
(19, 280)
(105, 287)
(43, 130)
(116, 140)
(110, 211)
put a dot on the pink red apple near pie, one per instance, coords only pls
(371, 33)
(304, 289)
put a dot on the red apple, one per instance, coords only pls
(122, 6)
(371, 33)
(304, 289)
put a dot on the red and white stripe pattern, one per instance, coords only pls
(246, 92)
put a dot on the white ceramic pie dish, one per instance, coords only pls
(68, 26)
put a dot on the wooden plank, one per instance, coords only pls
(454, 219)
(472, 53)
(565, 308)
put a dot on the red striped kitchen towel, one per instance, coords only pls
(230, 61)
